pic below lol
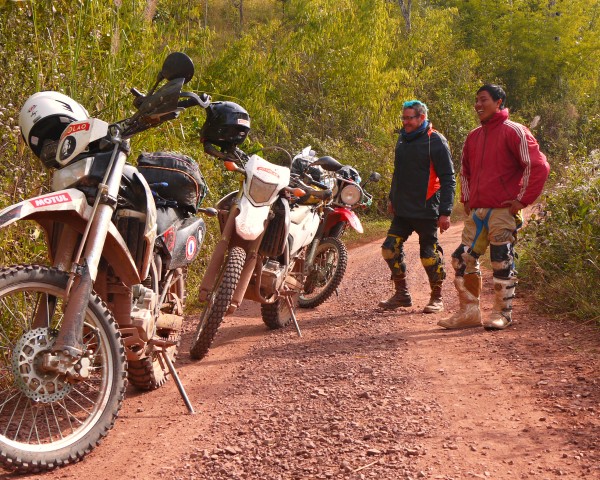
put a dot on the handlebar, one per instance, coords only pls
(324, 194)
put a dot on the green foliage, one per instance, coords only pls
(560, 257)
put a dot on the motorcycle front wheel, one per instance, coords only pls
(218, 303)
(325, 273)
(46, 420)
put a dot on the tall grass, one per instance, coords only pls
(560, 256)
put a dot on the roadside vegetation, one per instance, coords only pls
(331, 74)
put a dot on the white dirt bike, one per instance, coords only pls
(265, 233)
(110, 303)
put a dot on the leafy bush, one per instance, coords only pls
(560, 257)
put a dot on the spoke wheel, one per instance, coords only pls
(325, 273)
(47, 420)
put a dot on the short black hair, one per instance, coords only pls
(495, 91)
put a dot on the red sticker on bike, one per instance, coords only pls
(51, 200)
(169, 239)
(191, 247)
(74, 128)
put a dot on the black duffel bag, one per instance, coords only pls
(174, 177)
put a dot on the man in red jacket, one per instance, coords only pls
(502, 171)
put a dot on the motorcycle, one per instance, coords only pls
(325, 271)
(110, 305)
(265, 232)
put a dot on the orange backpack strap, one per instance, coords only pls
(434, 182)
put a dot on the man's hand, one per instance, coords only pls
(514, 206)
(467, 208)
(443, 223)
(390, 209)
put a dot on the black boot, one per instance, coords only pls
(401, 297)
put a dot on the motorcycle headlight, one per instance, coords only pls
(69, 175)
(351, 194)
(261, 192)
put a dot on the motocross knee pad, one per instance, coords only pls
(432, 260)
(464, 260)
(503, 260)
(392, 252)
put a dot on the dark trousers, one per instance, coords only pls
(430, 251)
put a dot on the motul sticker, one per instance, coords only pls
(268, 170)
(51, 200)
(244, 122)
(75, 127)
(191, 247)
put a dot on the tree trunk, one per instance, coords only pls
(405, 7)
(239, 4)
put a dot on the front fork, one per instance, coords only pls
(68, 356)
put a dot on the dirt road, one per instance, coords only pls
(370, 394)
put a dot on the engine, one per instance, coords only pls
(273, 275)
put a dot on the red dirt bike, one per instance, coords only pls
(110, 304)
(325, 269)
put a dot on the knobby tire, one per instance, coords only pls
(218, 303)
(45, 421)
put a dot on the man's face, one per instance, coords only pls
(411, 120)
(485, 106)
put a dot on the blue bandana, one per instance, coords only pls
(408, 137)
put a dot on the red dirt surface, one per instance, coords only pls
(370, 394)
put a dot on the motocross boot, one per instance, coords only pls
(435, 304)
(501, 315)
(401, 297)
(469, 314)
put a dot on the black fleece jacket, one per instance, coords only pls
(414, 192)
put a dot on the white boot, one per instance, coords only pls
(501, 315)
(468, 315)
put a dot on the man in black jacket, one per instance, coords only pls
(421, 199)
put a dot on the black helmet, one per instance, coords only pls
(349, 173)
(227, 124)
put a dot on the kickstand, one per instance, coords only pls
(165, 356)
(290, 304)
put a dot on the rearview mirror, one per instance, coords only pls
(177, 65)
(374, 177)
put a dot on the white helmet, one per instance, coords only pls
(44, 117)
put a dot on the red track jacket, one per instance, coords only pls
(501, 161)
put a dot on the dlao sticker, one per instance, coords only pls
(51, 200)
(191, 247)
(74, 128)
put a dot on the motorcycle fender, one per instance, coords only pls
(71, 208)
(182, 242)
(343, 215)
(250, 222)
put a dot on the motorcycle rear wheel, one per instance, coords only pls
(45, 420)
(218, 303)
(328, 270)
(276, 315)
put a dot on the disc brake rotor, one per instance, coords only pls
(36, 384)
